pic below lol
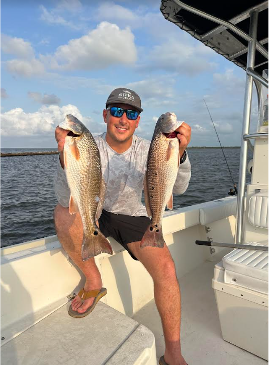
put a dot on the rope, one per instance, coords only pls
(219, 142)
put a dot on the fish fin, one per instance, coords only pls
(101, 199)
(65, 158)
(94, 244)
(169, 150)
(146, 198)
(74, 150)
(73, 208)
(170, 203)
(153, 237)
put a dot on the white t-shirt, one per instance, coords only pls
(123, 174)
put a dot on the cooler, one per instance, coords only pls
(241, 289)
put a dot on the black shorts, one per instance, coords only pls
(123, 228)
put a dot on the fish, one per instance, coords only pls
(87, 188)
(162, 167)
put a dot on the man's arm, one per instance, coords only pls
(183, 177)
(184, 172)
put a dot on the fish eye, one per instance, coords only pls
(95, 233)
(71, 134)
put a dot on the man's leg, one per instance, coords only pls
(159, 263)
(69, 231)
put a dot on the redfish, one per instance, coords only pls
(162, 168)
(84, 176)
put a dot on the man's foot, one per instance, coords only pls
(79, 305)
(180, 361)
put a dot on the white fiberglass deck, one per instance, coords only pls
(202, 343)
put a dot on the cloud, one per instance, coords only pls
(25, 68)
(42, 123)
(178, 55)
(70, 5)
(104, 46)
(113, 12)
(154, 92)
(17, 47)
(16, 122)
(226, 80)
(4, 94)
(45, 99)
(52, 17)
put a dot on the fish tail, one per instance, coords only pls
(94, 244)
(153, 236)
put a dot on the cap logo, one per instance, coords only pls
(126, 95)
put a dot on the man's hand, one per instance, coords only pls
(60, 135)
(184, 135)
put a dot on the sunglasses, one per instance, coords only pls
(118, 112)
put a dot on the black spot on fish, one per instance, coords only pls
(153, 188)
(95, 233)
(157, 230)
(151, 229)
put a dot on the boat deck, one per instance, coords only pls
(202, 343)
(59, 338)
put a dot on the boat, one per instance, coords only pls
(223, 280)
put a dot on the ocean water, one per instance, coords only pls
(28, 198)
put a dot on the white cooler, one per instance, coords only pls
(241, 289)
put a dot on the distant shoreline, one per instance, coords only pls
(48, 148)
(14, 154)
(214, 147)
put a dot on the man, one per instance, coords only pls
(123, 159)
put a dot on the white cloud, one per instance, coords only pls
(155, 91)
(25, 68)
(223, 127)
(16, 122)
(17, 47)
(70, 5)
(197, 128)
(228, 79)
(104, 46)
(114, 12)
(178, 55)
(4, 94)
(52, 17)
(44, 99)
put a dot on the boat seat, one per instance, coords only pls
(258, 209)
(217, 210)
(247, 268)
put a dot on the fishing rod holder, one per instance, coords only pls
(255, 136)
(232, 245)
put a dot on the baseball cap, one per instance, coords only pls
(124, 96)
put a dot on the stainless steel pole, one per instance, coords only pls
(245, 129)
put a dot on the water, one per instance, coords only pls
(28, 198)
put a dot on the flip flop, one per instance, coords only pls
(97, 294)
(162, 361)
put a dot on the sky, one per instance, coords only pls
(66, 56)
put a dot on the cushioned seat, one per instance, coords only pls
(258, 209)
(247, 268)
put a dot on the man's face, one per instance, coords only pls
(120, 129)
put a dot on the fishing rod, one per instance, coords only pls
(219, 142)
